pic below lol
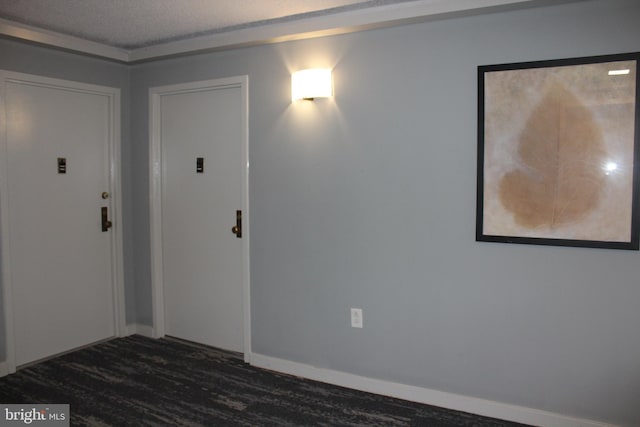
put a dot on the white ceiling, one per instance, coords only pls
(136, 30)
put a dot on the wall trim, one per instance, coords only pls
(326, 25)
(442, 399)
(319, 26)
(62, 41)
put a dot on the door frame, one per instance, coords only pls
(155, 197)
(115, 187)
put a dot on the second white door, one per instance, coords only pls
(201, 139)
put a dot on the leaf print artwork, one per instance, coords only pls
(558, 153)
(561, 151)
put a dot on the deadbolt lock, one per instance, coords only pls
(105, 195)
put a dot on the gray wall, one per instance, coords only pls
(31, 59)
(369, 201)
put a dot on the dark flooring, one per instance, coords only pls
(137, 381)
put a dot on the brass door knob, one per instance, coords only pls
(235, 229)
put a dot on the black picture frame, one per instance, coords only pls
(559, 152)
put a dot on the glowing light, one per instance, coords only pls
(610, 167)
(619, 72)
(311, 84)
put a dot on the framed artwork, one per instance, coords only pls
(558, 152)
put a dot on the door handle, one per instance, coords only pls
(237, 229)
(106, 224)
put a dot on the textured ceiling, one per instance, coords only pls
(132, 24)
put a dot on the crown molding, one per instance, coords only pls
(325, 25)
(62, 41)
(318, 26)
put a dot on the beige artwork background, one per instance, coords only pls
(517, 106)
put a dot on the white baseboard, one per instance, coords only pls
(4, 369)
(457, 402)
(144, 330)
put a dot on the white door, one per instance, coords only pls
(201, 137)
(56, 257)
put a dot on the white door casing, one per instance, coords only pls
(187, 121)
(62, 277)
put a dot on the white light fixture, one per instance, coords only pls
(619, 72)
(310, 84)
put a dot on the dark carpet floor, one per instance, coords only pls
(137, 381)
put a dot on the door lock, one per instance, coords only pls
(106, 224)
(237, 229)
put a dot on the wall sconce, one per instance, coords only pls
(311, 84)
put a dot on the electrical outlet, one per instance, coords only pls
(356, 318)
